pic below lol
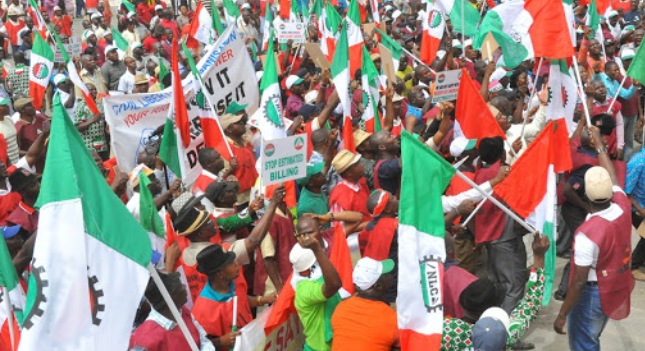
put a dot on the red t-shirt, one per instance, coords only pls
(149, 42)
(64, 23)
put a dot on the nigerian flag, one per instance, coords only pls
(120, 41)
(369, 75)
(269, 115)
(395, 48)
(10, 286)
(231, 12)
(89, 263)
(421, 245)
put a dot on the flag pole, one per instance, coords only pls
(484, 3)
(622, 82)
(463, 26)
(9, 308)
(472, 214)
(537, 74)
(583, 96)
(172, 307)
(512, 214)
(419, 61)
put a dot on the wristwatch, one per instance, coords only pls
(602, 149)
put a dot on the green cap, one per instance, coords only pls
(5, 102)
(234, 108)
(312, 169)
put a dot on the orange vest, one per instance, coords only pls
(13, 29)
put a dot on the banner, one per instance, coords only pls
(294, 31)
(73, 48)
(228, 74)
(284, 159)
(287, 337)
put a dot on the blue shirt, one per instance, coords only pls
(613, 85)
(211, 294)
(635, 180)
(414, 111)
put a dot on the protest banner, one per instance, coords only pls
(317, 55)
(447, 86)
(388, 64)
(291, 31)
(284, 159)
(228, 76)
(73, 49)
(288, 336)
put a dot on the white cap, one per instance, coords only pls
(598, 184)
(110, 48)
(396, 14)
(311, 97)
(57, 8)
(135, 45)
(107, 32)
(627, 53)
(611, 13)
(246, 6)
(368, 271)
(59, 78)
(468, 42)
(498, 74)
(456, 43)
(293, 80)
(498, 314)
(301, 258)
(158, 7)
(95, 16)
(461, 144)
(131, 14)
(89, 33)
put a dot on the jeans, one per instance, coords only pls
(629, 125)
(586, 321)
(80, 6)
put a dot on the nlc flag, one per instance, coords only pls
(89, 264)
(421, 245)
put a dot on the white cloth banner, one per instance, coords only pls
(228, 74)
(288, 336)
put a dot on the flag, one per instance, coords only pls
(422, 252)
(11, 308)
(637, 67)
(375, 14)
(470, 15)
(547, 155)
(473, 118)
(179, 106)
(328, 23)
(341, 258)
(562, 96)
(107, 11)
(354, 37)
(268, 25)
(217, 21)
(593, 20)
(89, 263)
(148, 214)
(602, 5)
(128, 5)
(570, 17)
(433, 28)
(75, 77)
(169, 148)
(526, 29)
(285, 9)
(231, 12)
(39, 22)
(369, 74)
(201, 27)
(40, 70)
(211, 128)
(120, 41)
(269, 115)
(163, 72)
(395, 48)
(341, 78)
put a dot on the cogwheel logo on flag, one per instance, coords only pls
(434, 20)
(40, 71)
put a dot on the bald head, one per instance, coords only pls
(319, 138)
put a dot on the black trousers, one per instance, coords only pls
(638, 256)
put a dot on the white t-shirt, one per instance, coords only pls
(586, 252)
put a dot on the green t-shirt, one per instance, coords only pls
(310, 304)
(313, 203)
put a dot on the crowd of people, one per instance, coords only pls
(225, 246)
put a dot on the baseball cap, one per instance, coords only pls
(234, 107)
(490, 333)
(368, 271)
(611, 13)
(312, 169)
(459, 145)
(598, 185)
(110, 48)
(311, 97)
(301, 259)
(10, 231)
(59, 78)
(5, 101)
(135, 45)
(57, 8)
(627, 54)
(306, 110)
(456, 43)
(293, 80)
(494, 86)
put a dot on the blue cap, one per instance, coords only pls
(489, 334)
(10, 232)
